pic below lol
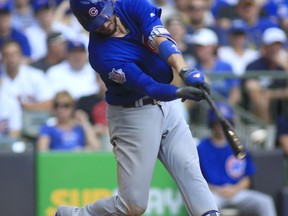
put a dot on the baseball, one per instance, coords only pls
(258, 136)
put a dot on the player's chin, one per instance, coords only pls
(107, 32)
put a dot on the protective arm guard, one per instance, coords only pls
(159, 31)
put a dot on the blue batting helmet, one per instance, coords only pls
(91, 14)
(225, 109)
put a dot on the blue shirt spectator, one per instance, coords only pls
(221, 86)
(205, 41)
(20, 38)
(254, 17)
(229, 177)
(62, 139)
(7, 32)
(71, 129)
(221, 167)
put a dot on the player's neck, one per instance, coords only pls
(218, 139)
(121, 30)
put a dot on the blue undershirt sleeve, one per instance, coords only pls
(137, 80)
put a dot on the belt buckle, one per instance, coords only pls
(156, 102)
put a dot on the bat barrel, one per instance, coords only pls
(238, 149)
(241, 155)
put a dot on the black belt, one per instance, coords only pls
(141, 102)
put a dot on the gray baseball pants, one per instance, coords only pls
(140, 136)
(249, 201)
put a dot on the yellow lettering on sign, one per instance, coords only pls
(65, 197)
(75, 197)
(50, 211)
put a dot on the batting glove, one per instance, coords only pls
(193, 77)
(190, 92)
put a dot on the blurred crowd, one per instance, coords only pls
(241, 45)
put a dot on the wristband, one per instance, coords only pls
(167, 48)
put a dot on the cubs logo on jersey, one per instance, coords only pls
(235, 168)
(117, 76)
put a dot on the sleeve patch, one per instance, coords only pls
(117, 76)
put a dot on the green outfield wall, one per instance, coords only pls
(81, 178)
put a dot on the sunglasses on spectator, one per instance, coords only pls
(62, 105)
(195, 8)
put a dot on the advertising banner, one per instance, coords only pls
(65, 178)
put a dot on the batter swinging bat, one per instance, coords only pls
(232, 138)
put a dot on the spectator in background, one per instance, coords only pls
(235, 53)
(182, 7)
(10, 115)
(72, 130)
(282, 15)
(56, 52)
(276, 9)
(74, 75)
(228, 177)
(22, 15)
(282, 133)
(63, 16)
(198, 15)
(206, 45)
(177, 29)
(37, 34)
(26, 83)
(87, 102)
(99, 117)
(94, 106)
(250, 12)
(260, 92)
(167, 9)
(7, 32)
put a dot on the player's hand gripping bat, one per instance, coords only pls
(232, 138)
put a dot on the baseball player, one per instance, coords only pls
(135, 55)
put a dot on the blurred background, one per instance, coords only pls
(54, 140)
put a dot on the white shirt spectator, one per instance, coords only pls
(77, 82)
(23, 21)
(30, 85)
(37, 38)
(237, 62)
(10, 114)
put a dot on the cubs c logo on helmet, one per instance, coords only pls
(93, 11)
(91, 14)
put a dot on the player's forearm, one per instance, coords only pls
(174, 59)
(177, 62)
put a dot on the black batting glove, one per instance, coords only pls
(190, 92)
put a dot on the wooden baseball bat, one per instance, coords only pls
(230, 134)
